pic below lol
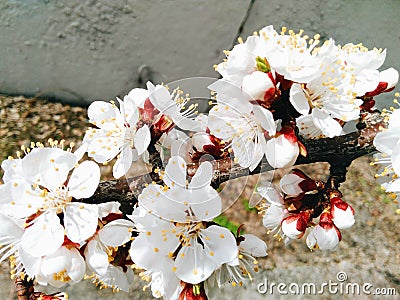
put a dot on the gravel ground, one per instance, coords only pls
(369, 251)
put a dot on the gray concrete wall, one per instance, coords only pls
(84, 50)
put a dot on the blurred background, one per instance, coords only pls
(82, 50)
(78, 51)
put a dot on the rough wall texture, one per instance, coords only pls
(80, 51)
(86, 50)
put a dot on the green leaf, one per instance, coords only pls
(223, 221)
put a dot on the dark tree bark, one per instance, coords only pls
(338, 151)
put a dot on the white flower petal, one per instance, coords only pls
(165, 284)
(290, 229)
(219, 123)
(12, 169)
(108, 208)
(142, 139)
(44, 236)
(205, 203)
(265, 119)
(289, 184)
(116, 233)
(187, 123)
(342, 219)
(138, 96)
(48, 167)
(84, 180)
(115, 277)
(18, 199)
(123, 163)
(311, 241)
(273, 216)
(396, 160)
(80, 152)
(271, 194)
(96, 257)
(392, 186)
(130, 113)
(175, 172)
(362, 60)
(307, 128)
(161, 99)
(76, 269)
(391, 76)
(150, 249)
(103, 115)
(366, 81)
(394, 120)
(163, 204)
(192, 265)
(256, 84)
(386, 141)
(325, 239)
(298, 99)
(103, 149)
(326, 123)
(243, 149)
(219, 244)
(202, 177)
(258, 153)
(10, 231)
(281, 153)
(253, 245)
(56, 262)
(31, 264)
(80, 221)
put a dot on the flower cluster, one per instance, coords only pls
(300, 204)
(275, 84)
(177, 242)
(387, 142)
(143, 116)
(50, 235)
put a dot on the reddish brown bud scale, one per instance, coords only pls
(70, 244)
(307, 184)
(339, 203)
(148, 111)
(382, 86)
(325, 221)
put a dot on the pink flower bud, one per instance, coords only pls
(204, 142)
(296, 182)
(325, 236)
(342, 214)
(282, 152)
(294, 226)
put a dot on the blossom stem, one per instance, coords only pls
(24, 288)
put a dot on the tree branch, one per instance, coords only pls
(339, 151)
(24, 288)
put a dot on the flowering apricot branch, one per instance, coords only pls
(283, 100)
(349, 146)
